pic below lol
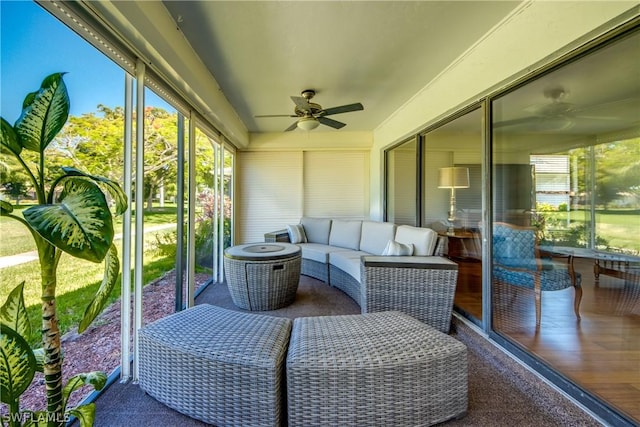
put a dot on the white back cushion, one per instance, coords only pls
(345, 233)
(316, 229)
(422, 239)
(296, 233)
(375, 236)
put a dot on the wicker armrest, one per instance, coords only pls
(418, 262)
(422, 287)
(277, 236)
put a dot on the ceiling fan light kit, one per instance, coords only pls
(312, 115)
(308, 123)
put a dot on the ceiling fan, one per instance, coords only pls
(557, 114)
(310, 115)
(554, 115)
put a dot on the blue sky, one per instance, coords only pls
(34, 44)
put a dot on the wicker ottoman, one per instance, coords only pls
(220, 366)
(377, 369)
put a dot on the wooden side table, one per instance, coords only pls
(463, 244)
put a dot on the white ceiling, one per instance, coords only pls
(377, 53)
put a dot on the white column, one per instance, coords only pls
(220, 246)
(125, 300)
(180, 205)
(191, 214)
(139, 229)
(217, 219)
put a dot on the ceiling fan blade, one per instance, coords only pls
(274, 115)
(301, 103)
(292, 127)
(538, 124)
(343, 109)
(332, 123)
(515, 122)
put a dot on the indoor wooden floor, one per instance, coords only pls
(601, 352)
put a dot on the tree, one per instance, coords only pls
(96, 142)
(15, 184)
(160, 148)
(617, 170)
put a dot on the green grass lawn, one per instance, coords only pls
(620, 229)
(78, 280)
(75, 289)
(16, 239)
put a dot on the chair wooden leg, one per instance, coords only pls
(577, 299)
(538, 295)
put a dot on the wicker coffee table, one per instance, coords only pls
(262, 276)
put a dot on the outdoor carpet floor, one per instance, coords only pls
(501, 391)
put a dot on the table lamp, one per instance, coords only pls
(453, 177)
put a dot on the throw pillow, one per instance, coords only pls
(296, 233)
(394, 248)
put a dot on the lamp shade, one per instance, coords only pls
(453, 177)
(308, 123)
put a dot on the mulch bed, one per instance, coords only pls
(98, 348)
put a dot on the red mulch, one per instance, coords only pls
(98, 348)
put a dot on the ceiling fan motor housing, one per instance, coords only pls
(313, 110)
(308, 94)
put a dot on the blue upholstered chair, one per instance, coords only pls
(517, 261)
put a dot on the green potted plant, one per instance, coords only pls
(72, 216)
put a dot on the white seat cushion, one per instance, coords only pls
(316, 229)
(422, 239)
(318, 252)
(348, 261)
(375, 236)
(345, 233)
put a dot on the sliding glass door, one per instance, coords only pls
(452, 202)
(566, 221)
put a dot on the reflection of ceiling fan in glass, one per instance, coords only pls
(557, 115)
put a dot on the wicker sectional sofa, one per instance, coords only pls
(348, 254)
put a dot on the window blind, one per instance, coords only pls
(271, 196)
(336, 184)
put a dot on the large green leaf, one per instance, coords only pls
(17, 365)
(13, 312)
(40, 356)
(111, 270)
(5, 207)
(111, 186)
(97, 379)
(85, 414)
(9, 138)
(44, 113)
(80, 225)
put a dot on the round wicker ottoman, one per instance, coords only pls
(377, 369)
(223, 367)
(262, 276)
